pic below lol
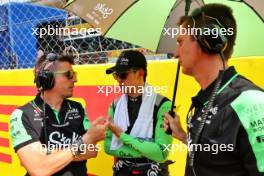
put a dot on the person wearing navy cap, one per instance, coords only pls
(136, 137)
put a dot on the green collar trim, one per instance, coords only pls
(224, 86)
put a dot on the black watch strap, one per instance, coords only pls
(77, 147)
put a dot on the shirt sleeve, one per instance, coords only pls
(124, 151)
(153, 150)
(22, 133)
(249, 107)
(86, 121)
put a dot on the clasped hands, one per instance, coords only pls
(98, 127)
(97, 130)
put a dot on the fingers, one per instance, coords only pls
(99, 120)
(101, 136)
(95, 133)
(168, 118)
(173, 123)
(166, 123)
(97, 130)
(112, 126)
(99, 126)
(115, 129)
(109, 118)
(165, 126)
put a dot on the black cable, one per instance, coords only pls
(45, 122)
(171, 112)
(207, 109)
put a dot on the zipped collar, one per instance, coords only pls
(38, 101)
(229, 75)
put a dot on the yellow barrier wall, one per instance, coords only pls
(16, 88)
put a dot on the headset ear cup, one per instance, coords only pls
(51, 81)
(45, 80)
(211, 40)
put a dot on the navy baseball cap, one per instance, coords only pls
(127, 60)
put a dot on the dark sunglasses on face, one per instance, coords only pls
(70, 74)
(122, 75)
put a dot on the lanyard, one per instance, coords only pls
(190, 112)
(224, 86)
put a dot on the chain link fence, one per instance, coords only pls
(29, 29)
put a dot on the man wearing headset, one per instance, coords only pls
(51, 134)
(136, 136)
(227, 113)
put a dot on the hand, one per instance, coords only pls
(96, 131)
(114, 128)
(175, 125)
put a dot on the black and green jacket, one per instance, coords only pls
(233, 132)
(62, 128)
(140, 148)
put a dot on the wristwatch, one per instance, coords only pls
(77, 147)
(75, 153)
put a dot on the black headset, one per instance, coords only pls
(45, 77)
(213, 43)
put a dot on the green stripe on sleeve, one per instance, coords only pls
(249, 107)
(19, 134)
(86, 121)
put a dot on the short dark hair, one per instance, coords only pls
(66, 58)
(42, 61)
(222, 13)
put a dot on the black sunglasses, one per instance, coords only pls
(123, 75)
(68, 74)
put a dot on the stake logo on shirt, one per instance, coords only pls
(61, 140)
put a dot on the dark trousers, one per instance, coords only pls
(141, 169)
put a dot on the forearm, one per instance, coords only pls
(182, 137)
(152, 150)
(86, 156)
(123, 152)
(147, 149)
(47, 164)
(58, 161)
(91, 151)
(87, 147)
